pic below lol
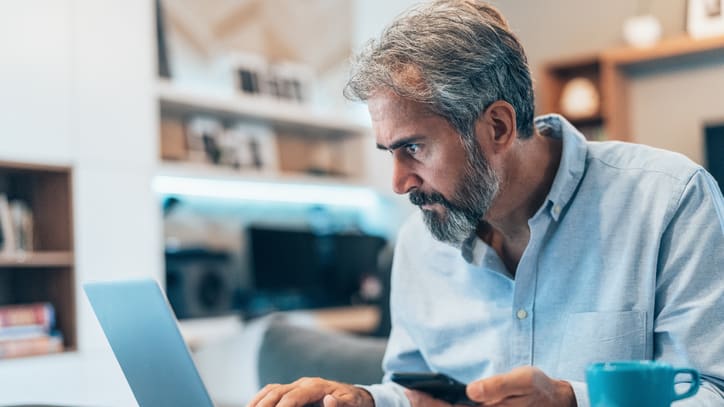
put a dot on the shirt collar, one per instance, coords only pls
(569, 175)
(572, 165)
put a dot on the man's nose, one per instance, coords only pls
(403, 178)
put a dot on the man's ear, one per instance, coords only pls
(497, 126)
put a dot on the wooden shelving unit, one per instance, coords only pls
(301, 134)
(45, 273)
(609, 71)
(37, 259)
(557, 74)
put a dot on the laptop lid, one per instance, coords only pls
(142, 331)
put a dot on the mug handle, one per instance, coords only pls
(695, 382)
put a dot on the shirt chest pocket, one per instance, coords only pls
(598, 337)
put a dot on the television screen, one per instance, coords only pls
(298, 269)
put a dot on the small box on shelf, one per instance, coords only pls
(320, 157)
(173, 140)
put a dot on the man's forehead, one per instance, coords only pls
(387, 105)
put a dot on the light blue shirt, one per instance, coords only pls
(625, 261)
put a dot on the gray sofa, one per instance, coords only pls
(288, 352)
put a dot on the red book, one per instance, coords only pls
(27, 314)
(41, 345)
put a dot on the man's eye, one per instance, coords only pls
(412, 148)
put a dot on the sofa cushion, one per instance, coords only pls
(289, 352)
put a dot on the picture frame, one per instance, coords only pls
(705, 18)
(202, 138)
(250, 72)
(256, 147)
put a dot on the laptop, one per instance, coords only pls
(143, 333)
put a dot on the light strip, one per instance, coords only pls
(266, 191)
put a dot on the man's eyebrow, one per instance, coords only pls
(401, 142)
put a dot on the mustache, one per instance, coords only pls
(420, 198)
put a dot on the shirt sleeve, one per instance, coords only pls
(689, 311)
(402, 354)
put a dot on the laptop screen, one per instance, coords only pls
(145, 338)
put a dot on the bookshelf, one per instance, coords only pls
(558, 74)
(609, 70)
(43, 271)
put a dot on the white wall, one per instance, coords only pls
(35, 78)
(77, 88)
(371, 17)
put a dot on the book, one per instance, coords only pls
(42, 314)
(41, 345)
(21, 218)
(6, 227)
(23, 331)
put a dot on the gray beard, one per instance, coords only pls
(472, 199)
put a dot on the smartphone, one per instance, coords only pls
(437, 385)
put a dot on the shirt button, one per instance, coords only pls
(521, 314)
(557, 210)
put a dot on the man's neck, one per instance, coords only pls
(527, 182)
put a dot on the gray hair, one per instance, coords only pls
(455, 56)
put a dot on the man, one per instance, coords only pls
(535, 252)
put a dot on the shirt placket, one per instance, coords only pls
(523, 310)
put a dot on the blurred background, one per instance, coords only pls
(207, 145)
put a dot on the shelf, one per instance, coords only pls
(608, 69)
(184, 101)
(574, 64)
(208, 171)
(48, 273)
(37, 259)
(670, 48)
(595, 120)
(32, 167)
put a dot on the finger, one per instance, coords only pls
(274, 395)
(516, 401)
(300, 396)
(261, 394)
(352, 396)
(517, 382)
(329, 401)
(420, 399)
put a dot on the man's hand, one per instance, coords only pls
(524, 386)
(420, 399)
(313, 391)
(521, 387)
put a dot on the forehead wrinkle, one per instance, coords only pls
(386, 105)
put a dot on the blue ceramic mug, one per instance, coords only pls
(636, 384)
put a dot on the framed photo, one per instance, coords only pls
(705, 18)
(202, 139)
(250, 72)
(256, 147)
